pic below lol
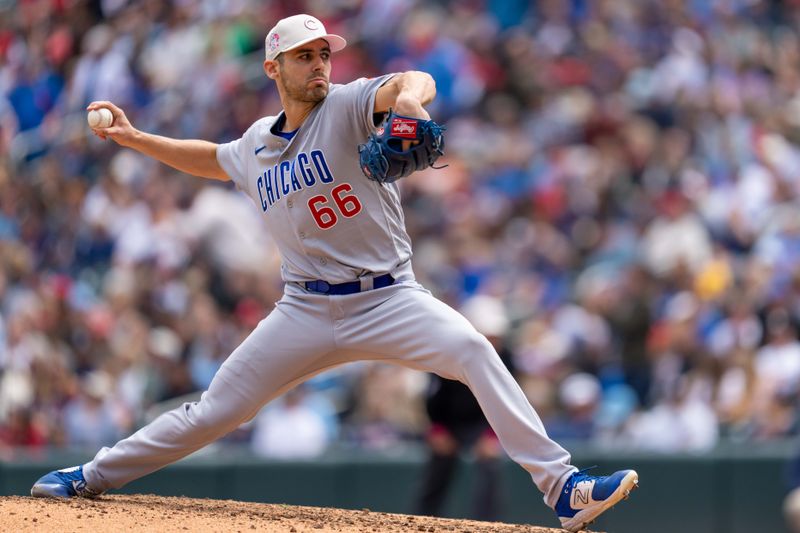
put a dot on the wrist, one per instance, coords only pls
(407, 96)
(131, 140)
(409, 105)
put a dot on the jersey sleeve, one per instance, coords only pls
(231, 157)
(358, 99)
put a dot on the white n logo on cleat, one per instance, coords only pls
(581, 496)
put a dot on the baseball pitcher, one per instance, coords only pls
(324, 177)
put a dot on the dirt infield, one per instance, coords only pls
(114, 513)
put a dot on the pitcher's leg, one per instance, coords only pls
(468, 357)
(177, 433)
(414, 329)
(278, 354)
(516, 423)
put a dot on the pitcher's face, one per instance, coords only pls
(303, 73)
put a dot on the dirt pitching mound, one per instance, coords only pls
(113, 513)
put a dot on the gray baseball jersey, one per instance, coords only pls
(329, 221)
(333, 224)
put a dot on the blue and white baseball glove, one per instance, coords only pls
(383, 158)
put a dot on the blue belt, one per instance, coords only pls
(351, 287)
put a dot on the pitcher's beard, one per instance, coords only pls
(304, 94)
(317, 94)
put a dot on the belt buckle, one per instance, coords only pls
(367, 283)
(318, 286)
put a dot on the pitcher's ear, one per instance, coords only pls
(271, 68)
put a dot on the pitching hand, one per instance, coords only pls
(121, 130)
(408, 106)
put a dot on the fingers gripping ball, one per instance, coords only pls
(100, 118)
(382, 157)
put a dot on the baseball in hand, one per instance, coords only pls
(100, 118)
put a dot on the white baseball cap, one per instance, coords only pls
(297, 30)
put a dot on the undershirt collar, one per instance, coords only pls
(276, 128)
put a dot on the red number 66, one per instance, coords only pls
(324, 215)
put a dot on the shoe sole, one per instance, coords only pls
(583, 518)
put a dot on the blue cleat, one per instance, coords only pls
(586, 497)
(66, 483)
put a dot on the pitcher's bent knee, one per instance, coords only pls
(475, 351)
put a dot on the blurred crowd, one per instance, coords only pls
(618, 210)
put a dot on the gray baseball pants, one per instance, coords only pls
(308, 333)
